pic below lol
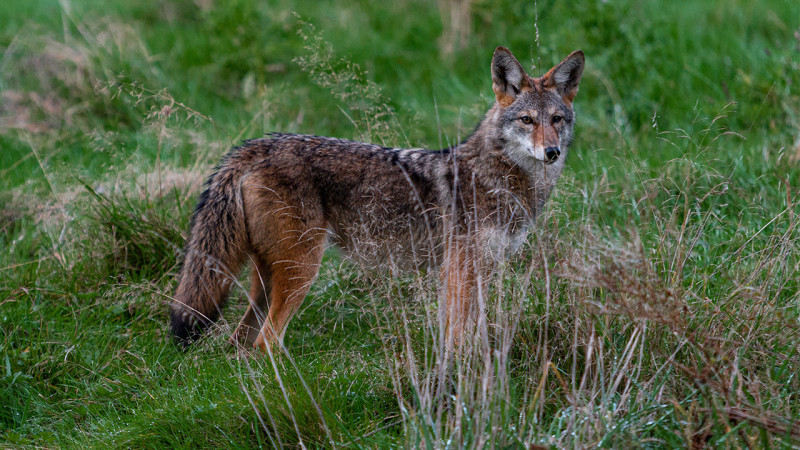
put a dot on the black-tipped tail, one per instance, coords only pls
(215, 251)
(186, 327)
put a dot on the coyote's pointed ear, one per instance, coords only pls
(508, 78)
(566, 75)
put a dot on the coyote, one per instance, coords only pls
(278, 201)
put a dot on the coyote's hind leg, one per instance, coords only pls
(291, 280)
(252, 322)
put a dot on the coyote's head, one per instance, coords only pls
(534, 115)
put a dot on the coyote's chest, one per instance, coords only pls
(500, 242)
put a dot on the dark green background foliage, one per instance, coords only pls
(662, 304)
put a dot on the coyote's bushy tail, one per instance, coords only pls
(215, 251)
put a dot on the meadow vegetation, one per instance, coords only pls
(657, 303)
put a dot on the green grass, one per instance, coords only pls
(657, 304)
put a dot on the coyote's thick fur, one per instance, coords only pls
(278, 202)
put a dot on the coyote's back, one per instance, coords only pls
(278, 201)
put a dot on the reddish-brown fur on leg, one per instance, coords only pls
(291, 280)
(459, 274)
(260, 286)
(290, 238)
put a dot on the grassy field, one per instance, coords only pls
(656, 305)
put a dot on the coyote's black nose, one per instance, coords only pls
(551, 154)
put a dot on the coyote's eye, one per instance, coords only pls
(526, 120)
(557, 119)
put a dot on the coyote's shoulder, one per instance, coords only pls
(278, 201)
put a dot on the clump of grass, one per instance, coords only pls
(144, 237)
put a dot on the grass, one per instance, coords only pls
(656, 305)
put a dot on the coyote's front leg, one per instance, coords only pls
(459, 282)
